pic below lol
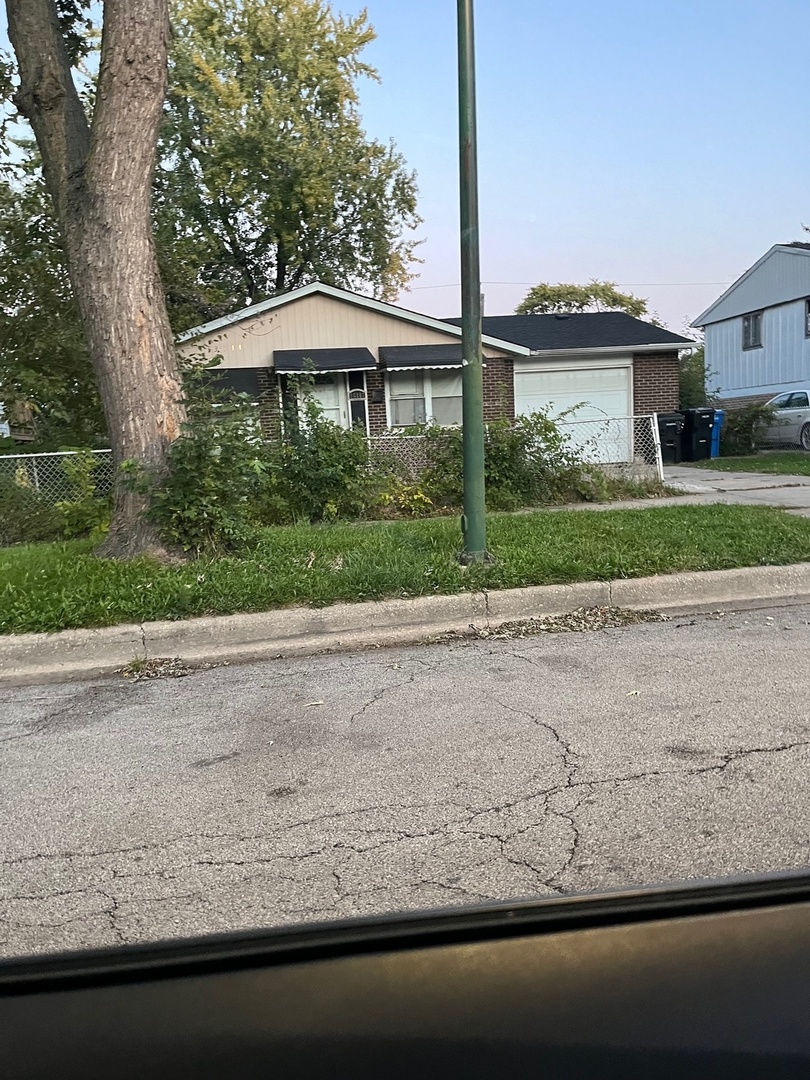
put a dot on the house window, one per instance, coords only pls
(417, 397)
(752, 330)
(807, 318)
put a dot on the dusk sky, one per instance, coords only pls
(658, 145)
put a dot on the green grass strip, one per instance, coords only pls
(57, 586)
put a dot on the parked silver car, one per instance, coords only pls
(791, 422)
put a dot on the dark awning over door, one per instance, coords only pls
(315, 360)
(399, 357)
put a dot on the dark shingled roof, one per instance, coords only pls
(589, 330)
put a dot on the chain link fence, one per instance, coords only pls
(624, 445)
(627, 446)
(51, 475)
(411, 452)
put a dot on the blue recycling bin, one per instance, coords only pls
(719, 416)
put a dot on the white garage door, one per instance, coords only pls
(595, 393)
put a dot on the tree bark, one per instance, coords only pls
(100, 179)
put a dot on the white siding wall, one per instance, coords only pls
(781, 363)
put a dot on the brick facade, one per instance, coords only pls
(499, 388)
(655, 383)
(375, 402)
(269, 403)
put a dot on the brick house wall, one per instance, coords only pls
(375, 402)
(655, 383)
(499, 388)
(269, 403)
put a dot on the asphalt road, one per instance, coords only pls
(409, 778)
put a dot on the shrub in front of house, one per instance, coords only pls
(204, 500)
(321, 471)
(743, 429)
(529, 461)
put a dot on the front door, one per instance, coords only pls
(330, 393)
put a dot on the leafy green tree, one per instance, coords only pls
(98, 167)
(266, 177)
(692, 379)
(546, 299)
(44, 364)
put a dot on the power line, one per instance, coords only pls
(623, 284)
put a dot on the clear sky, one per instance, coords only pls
(638, 142)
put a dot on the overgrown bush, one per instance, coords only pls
(85, 513)
(743, 429)
(204, 500)
(25, 518)
(322, 471)
(529, 461)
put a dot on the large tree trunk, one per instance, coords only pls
(100, 178)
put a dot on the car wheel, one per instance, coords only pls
(804, 438)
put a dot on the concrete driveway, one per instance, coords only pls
(409, 778)
(752, 489)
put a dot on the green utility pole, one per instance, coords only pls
(473, 523)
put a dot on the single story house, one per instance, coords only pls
(381, 367)
(758, 332)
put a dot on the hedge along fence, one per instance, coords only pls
(624, 446)
(222, 482)
(53, 496)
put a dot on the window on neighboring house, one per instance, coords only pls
(807, 318)
(752, 330)
(416, 397)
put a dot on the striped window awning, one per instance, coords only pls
(420, 357)
(299, 361)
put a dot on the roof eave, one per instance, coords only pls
(606, 350)
(368, 302)
(704, 319)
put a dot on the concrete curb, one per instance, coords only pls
(76, 654)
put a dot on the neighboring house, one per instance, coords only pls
(18, 427)
(758, 332)
(380, 366)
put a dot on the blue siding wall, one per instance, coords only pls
(782, 363)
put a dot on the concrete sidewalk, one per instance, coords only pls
(791, 493)
(707, 487)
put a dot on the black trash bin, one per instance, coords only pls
(696, 439)
(670, 427)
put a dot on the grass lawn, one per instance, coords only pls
(792, 462)
(55, 586)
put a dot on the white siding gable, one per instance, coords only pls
(780, 276)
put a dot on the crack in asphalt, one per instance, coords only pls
(380, 694)
(450, 839)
